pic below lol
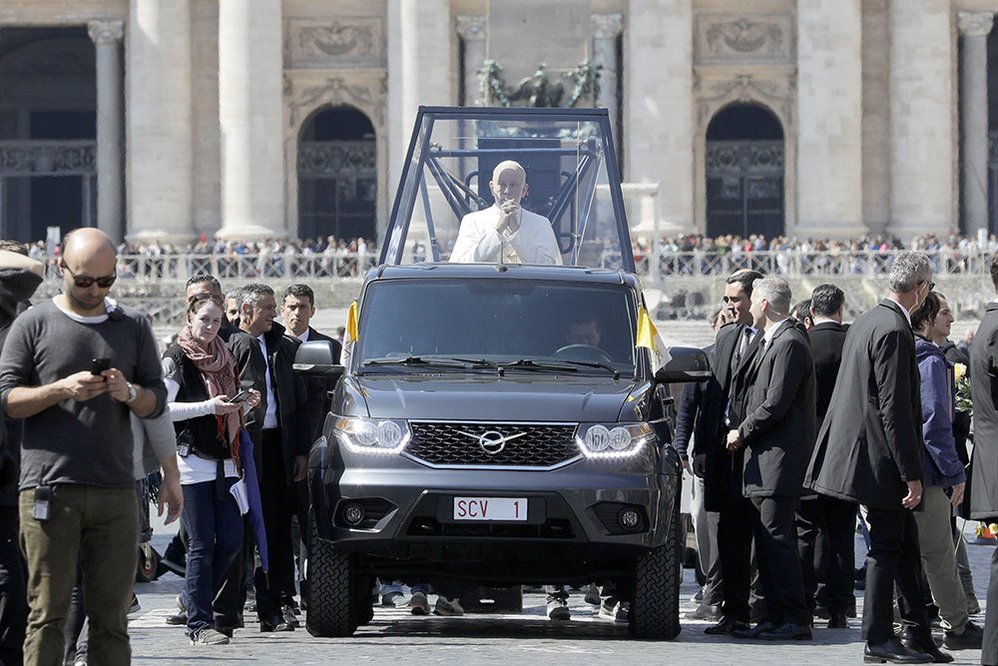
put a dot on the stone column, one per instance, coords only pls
(250, 116)
(658, 107)
(107, 35)
(974, 27)
(830, 112)
(471, 29)
(606, 28)
(921, 117)
(158, 141)
(420, 70)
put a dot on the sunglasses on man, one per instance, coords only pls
(84, 281)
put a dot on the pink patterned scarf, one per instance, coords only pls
(218, 370)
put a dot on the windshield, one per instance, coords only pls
(553, 174)
(588, 329)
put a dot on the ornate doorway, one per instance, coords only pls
(745, 169)
(337, 175)
(48, 130)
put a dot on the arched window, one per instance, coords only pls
(744, 168)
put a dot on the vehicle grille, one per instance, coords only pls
(457, 444)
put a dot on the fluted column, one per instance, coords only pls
(658, 50)
(250, 116)
(606, 28)
(974, 28)
(107, 35)
(159, 121)
(471, 29)
(921, 117)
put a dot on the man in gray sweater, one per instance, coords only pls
(74, 368)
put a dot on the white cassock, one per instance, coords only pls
(479, 242)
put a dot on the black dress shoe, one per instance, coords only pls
(725, 627)
(838, 621)
(275, 622)
(754, 632)
(787, 631)
(926, 644)
(893, 651)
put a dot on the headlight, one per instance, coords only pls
(372, 435)
(613, 440)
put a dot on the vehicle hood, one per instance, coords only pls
(521, 397)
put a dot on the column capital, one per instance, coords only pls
(975, 24)
(106, 32)
(607, 26)
(470, 27)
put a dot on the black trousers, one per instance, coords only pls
(825, 528)
(894, 556)
(13, 593)
(734, 549)
(279, 499)
(989, 650)
(775, 532)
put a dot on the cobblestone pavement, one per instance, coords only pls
(396, 636)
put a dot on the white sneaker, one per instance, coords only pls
(447, 608)
(612, 609)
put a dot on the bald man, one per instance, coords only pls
(75, 368)
(505, 232)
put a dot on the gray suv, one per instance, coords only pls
(499, 423)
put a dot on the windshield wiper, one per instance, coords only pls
(474, 362)
(596, 364)
(415, 360)
(531, 364)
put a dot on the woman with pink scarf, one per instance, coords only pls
(201, 381)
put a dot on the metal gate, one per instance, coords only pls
(745, 188)
(338, 183)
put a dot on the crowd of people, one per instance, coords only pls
(807, 424)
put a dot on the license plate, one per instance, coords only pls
(490, 508)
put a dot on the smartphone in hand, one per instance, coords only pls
(99, 365)
(242, 396)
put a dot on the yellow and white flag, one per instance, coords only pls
(350, 337)
(647, 337)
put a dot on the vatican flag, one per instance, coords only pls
(647, 337)
(350, 336)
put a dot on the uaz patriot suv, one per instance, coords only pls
(500, 423)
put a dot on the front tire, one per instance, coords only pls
(331, 579)
(658, 575)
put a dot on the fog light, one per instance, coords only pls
(629, 518)
(353, 514)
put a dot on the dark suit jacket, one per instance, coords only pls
(827, 339)
(318, 388)
(289, 389)
(721, 469)
(984, 388)
(779, 425)
(870, 443)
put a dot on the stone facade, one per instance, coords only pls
(201, 105)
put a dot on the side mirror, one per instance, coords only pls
(684, 365)
(315, 359)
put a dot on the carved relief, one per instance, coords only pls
(368, 97)
(342, 42)
(775, 93)
(744, 38)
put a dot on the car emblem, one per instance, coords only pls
(491, 441)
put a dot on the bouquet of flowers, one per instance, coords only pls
(964, 403)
